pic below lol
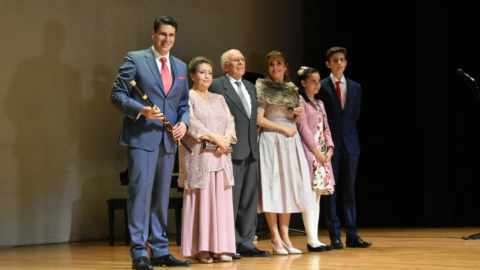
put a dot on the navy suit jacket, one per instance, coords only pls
(142, 132)
(343, 123)
(246, 128)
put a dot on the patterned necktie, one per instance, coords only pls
(166, 77)
(339, 92)
(242, 97)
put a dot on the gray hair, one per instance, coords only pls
(224, 57)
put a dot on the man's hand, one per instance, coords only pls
(179, 130)
(154, 114)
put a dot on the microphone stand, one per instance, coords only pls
(476, 92)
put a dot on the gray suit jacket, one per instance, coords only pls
(245, 128)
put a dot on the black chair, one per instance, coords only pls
(121, 204)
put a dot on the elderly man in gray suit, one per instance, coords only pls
(241, 98)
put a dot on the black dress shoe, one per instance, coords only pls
(328, 247)
(337, 243)
(254, 252)
(141, 263)
(237, 256)
(356, 241)
(168, 260)
(316, 249)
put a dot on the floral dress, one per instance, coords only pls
(321, 173)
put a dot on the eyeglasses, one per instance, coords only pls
(315, 83)
(238, 59)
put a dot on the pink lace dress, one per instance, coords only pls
(208, 222)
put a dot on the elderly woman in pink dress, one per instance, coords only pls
(207, 177)
(318, 147)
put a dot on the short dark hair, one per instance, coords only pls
(302, 75)
(197, 61)
(164, 19)
(283, 57)
(334, 50)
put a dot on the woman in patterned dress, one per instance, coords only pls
(318, 147)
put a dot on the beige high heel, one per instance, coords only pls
(279, 251)
(291, 250)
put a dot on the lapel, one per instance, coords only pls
(308, 102)
(152, 64)
(252, 92)
(173, 66)
(350, 95)
(150, 59)
(333, 93)
(233, 96)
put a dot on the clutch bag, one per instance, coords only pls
(208, 145)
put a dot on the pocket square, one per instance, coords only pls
(181, 78)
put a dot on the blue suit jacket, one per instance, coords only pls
(145, 133)
(342, 122)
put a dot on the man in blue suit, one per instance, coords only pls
(341, 97)
(151, 147)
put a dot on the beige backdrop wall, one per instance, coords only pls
(60, 160)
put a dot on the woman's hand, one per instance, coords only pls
(299, 111)
(329, 155)
(229, 138)
(289, 132)
(321, 158)
(222, 142)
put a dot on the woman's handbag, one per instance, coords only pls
(208, 145)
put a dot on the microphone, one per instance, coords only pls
(460, 71)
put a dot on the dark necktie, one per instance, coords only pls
(242, 97)
(166, 77)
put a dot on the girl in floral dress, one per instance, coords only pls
(318, 147)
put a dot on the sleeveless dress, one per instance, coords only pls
(284, 185)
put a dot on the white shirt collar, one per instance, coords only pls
(232, 80)
(158, 55)
(334, 80)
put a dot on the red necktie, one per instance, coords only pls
(339, 92)
(166, 77)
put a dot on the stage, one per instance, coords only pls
(393, 248)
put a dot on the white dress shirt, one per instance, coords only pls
(243, 89)
(159, 63)
(343, 88)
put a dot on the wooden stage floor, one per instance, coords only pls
(393, 248)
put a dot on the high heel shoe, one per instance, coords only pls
(205, 257)
(223, 258)
(279, 251)
(291, 250)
